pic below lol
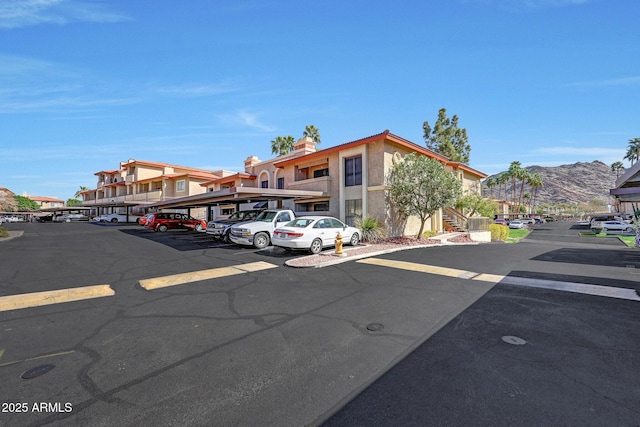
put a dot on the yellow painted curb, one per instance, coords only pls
(35, 299)
(196, 276)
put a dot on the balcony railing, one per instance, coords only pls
(150, 196)
(312, 184)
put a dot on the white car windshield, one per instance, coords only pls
(266, 216)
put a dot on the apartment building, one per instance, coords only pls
(346, 181)
(137, 184)
(46, 202)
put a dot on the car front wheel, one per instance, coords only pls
(261, 241)
(604, 230)
(198, 227)
(163, 228)
(628, 229)
(355, 239)
(114, 219)
(316, 246)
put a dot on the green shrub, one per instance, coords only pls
(371, 228)
(499, 232)
(3, 232)
(429, 233)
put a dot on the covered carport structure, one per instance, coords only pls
(236, 196)
(627, 188)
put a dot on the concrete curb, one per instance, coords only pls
(333, 260)
(12, 235)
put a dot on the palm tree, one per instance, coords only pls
(312, 132)
(80, 191)
(535, 182)
(491, 182)
(527, 197)
(514, 174)
(633, 150)
(617, 167)
(502, 180)
(282, 145)
(524, 177)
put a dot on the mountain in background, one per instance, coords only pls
(576, 183)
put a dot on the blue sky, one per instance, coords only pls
(87, 84)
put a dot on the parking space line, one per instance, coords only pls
(494, 278)
(581, 288)
(36, 299)
(196, 276)
(422, 268)
(45, 356)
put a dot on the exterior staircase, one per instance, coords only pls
(454, 220)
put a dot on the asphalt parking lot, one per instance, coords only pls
(201, 333)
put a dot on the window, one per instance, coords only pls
(180, 185)
(264, 184)
(320, 172)
(352, 211)
(281, 183)
(284, 216)
(321, 207)
(353, 171)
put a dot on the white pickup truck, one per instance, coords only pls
(258, 232)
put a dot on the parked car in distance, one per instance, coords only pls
(500, 221)
(71, 217)
(517, 224)
(220, 228)
(143, 219)
(615, 225)
(527, 220)
(314, 233)
(258, 233)
(11, 219)
(539, 220)
(171, 221)
(115, 217)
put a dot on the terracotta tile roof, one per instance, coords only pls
(229, 178)
(44, 199)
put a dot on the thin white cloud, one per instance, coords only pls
(622, 81)
(200, 90)
(32, 85)
(24, 13)
(245, 118)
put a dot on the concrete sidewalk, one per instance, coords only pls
(351, 253)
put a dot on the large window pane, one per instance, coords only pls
(353, 171)
(352, 211)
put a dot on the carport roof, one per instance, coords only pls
(235, 195)
(628, 185)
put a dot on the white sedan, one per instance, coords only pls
(516, 224)
(615, 225)
(115, 217)
(314, 233)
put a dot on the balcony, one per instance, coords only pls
(149, 196)
(312, 184)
